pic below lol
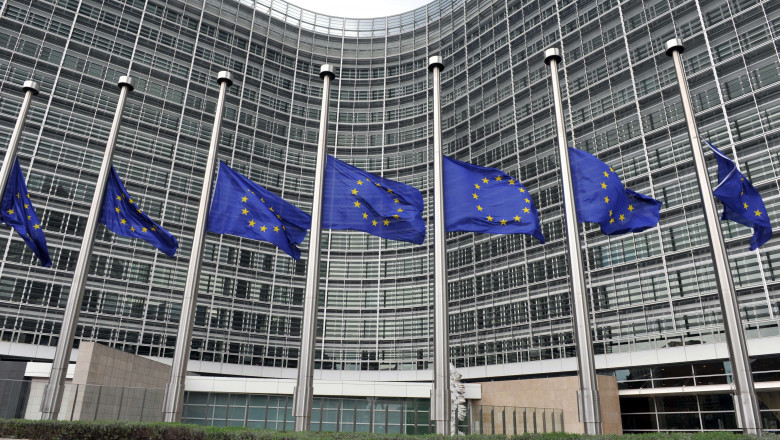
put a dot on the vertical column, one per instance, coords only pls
(52, 396)
(590, 412)
(304, 389)
(30, 89)
(735, 332)
(174, 391)
(441, 345)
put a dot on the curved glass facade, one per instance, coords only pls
(509, 295)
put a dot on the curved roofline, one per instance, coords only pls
(354, 27)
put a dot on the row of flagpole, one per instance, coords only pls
(588, 399)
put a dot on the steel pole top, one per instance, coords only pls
(552, 53)
(31, 86)
(327, 70)
(225, 76)
(126, 81)
(435, 61)
(674, 44)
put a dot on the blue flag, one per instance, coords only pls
(356, 199)
(482, 199)
(122, 215)
(600, 197)
(243, 208)
(741, 202)
(18, 212)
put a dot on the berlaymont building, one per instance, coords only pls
(657, 329)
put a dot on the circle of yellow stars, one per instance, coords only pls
(604, 186)
(497, 179)
(386, 221)
(11, 211)
(251, 223)
(138, 210)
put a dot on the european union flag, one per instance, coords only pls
(741, 202)
(18, 212)
(122, 215)
(482, 199)
(243, 208)
(600, 197)
(356, 199)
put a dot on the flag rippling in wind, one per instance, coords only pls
(600, 197)
(356, 199)
(18, 212)
(243, 208)
(741, 201)
(122, 215)
(483, 199)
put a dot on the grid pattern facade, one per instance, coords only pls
(509, 295)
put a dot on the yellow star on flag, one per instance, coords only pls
(119, 197)
(354, 191)
(26, 206)
(479, 208)
(116, 209)
(357, 204)
(757, 213)
(154, 228)
(396, 216)
(498, 178)
(37, 226)
(123, 221)
(630, 207)
(745, 205)
(476, 185)
(271, 208)
(400, 210)
(386, 222)
(527, 201)
(251, 222)
(395, 200)
(511, 181)
(484, 180)
(475, 195)
(526, 210)
(276, 228)
(132, 228)
(522, 190)
(365, 215)
(373, 222)
(244, 199)
(612, 220)
(263, 228)
(606, 199)
(603, 185)
(143, 229)
(606, 174)
(490, 219)
(10, 211)
(503, 222)
(622, 217)
(517, 218)
(244, 211)
(131, 201)
(359, 182)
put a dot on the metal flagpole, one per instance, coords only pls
(174, 391)
(52, 395)
(30, 89)
(304, 388)
(735, 332)
(441, 345)
(590, 411)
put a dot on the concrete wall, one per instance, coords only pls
(114, 385)
(13, 389)
(107, 384)
(555, 392)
